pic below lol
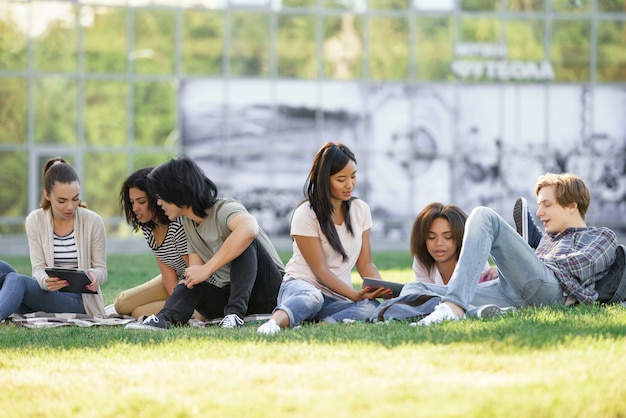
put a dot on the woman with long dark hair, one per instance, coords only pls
(331, 235)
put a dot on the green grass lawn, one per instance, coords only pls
(549, 362)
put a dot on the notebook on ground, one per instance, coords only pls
(77, 279)
(376, 283)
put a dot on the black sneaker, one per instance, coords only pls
(525, 224)
(520, 210)
(152, 322)
(490, 311)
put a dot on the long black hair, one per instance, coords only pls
(182, 182)
(139, 179)
(329, 160)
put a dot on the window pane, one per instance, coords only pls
(480, 30)
(389, 4)
(611, 5)
(151, 160)
(153, 52)
(527, 5)
(343, 47)
(12, 39)
(105, 112)
(344, 4)
(249, 54)
(13, 113)
(14, 180)
(569, 6)
(155, 113)
(611, 60)
(203, 48)
(55, 111)
(55, 39)
(100, 186)
(299, 3)
(105, 41)
(525, 39)
(389, 48)
(296, 46)
(434, 47)
(570, 50)
(474, 5)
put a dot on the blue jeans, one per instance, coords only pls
(524, 280)
(302, 301)
(21, 294)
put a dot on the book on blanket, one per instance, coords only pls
(376, 283)
(77, 279)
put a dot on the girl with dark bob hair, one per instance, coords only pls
(436, 239)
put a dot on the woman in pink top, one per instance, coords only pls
(436, 240)
(331, 234)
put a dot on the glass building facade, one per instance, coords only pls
(461, 101)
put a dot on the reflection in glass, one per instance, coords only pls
(570, 50)
(389, 4)
(343, 47)
(526, 5)
(611, 5)
(56, 111)
(388, 48)
(525, 39)
(153, 52)
(296, 46)
(105, 112)
(611, 58)
(203, 46)
(151, 160)
(13, 193)
(433, 47)
(100, 185)
(13, 110)
(480, 5)
(299, 3)
(105, 41)
(480, 29)
(55, 37)
(155, 113)
(570, 6)
(12, 42)
(249, 54)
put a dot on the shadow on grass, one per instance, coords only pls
(541, 328)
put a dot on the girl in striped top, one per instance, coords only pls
(166, 240)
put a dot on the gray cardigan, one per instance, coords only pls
(90, 245)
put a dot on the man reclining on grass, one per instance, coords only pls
(563, 270)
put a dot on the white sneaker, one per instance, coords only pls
(268, 328)
(231, 321)
(442, 312)
(489, 311)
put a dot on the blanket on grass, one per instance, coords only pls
(51, 320)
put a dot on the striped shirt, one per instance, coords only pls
(173, 247)
(65, 252)
(579, 258)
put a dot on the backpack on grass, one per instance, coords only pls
(612, 287)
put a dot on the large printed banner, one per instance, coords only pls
(464, 144)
